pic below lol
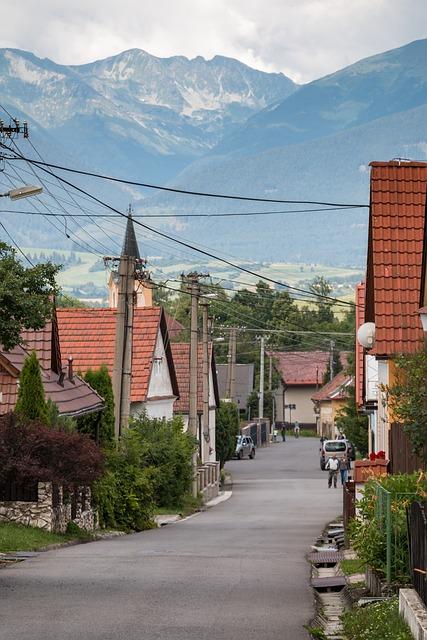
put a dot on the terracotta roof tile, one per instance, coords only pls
(335, 389)
(301, 367)
(88, 335)
(397, 221)
(359, 360)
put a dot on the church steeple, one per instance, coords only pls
(143, 286)
(130, 244)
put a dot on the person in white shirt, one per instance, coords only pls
(332, 466)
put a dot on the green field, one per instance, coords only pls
(342, 278)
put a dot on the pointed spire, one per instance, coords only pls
(130, 245)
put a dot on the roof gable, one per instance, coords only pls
(335, 389)
(88, 335)
(395, 253)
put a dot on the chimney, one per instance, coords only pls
(70, 370)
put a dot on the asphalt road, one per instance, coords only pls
(234, 572)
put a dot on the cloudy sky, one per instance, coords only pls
(305, 39)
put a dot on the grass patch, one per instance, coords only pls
(378, 621)
(307, 433)
(188, 506)
(349, 567)
(17, 537)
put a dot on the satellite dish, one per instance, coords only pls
(366, 335)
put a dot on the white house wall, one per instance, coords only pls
(381, 434)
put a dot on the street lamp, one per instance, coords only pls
(22, 192)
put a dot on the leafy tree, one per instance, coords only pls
(25, 296)
(100, 425)
(66, 423)
(253, 405)
(408, 398)
(65, 301)
(227, 428)
(321, 287)
(166, 447)
(31, 403)
(350, 422)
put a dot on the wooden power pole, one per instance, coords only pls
(194, 290)
(261, 380)
(122, 370)
(205, 343)
(231, 368)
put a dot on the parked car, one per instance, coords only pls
(341, 448)
(244, 447)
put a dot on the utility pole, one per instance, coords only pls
(205, 343)
(331, 360)
(194, 290)
(231, 369)
(270, 372)
(122, 370)
(261, 381)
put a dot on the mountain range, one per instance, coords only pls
(220, 126)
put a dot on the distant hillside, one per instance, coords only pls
(315, 145)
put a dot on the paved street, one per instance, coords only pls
(234, 572)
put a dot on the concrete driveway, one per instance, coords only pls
(234, 572)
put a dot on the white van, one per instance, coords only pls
(329, 447)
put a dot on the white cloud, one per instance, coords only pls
(303, 38)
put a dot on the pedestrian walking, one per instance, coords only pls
(332, 466)
(283, 434)
(296, 429)
(344, 470)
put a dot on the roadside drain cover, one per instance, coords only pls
(332, 582)
(327, 557)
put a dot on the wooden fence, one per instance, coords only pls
(402, 459)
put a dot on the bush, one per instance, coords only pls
(30, 450)
(166, 447)
(227, 428)
(124, 496)
(100, 425)
(31, 403)
(367, 535)
(377, 621)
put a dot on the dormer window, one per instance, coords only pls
(157, 364)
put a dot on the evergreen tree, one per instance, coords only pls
(31, 403)
(100, 426)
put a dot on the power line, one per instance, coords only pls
(186, 191)
(16, 245)
(188, 245)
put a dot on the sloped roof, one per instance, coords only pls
(181, 358)
(88, 335)
(359, 359)
(395, 252)
(130, 244)
(301, 367)
(335, 389)
(72, 397)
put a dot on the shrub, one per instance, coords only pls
(166, 447)
(100, 425)
(124, 496)
(30, 450)
(369, 537)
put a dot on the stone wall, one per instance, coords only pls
(44, 515)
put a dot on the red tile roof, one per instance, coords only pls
(395, 249)
(88, 335)
(181, 358)
(301, 367)
(335, 389)
(360, 356)
(72, 397)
